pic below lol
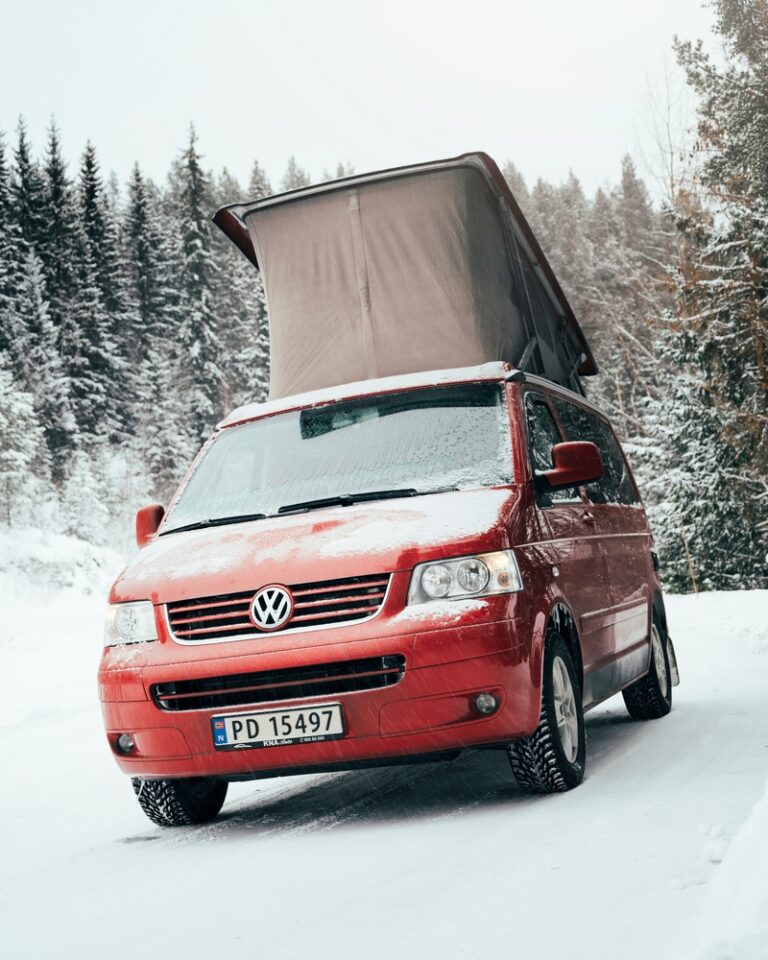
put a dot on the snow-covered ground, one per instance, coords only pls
(440, 861)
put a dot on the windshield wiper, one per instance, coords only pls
(215, 522)
(347, 499)
(340, 500)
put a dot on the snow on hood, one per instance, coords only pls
(368, 538)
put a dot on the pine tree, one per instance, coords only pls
(245, 347)
(113, 196)
(28, 193)
(152, 267)
(39, 367)
(84, 512)
(294, 176)
(201, 376)
(89, 328)
(344, 169)
(27, 334)
(634, 208)
(258, 185)
(257, 386)
(226, 189)
(11, 258)
(88, 353)
(559, 216)
(606, 287)
(100, 231)
(23, 454)
(58, 247)
(517, 185)
(720, 333)
(628, 295)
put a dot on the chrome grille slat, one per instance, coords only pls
(331, 588)
(212, 617)
(335, 602)
(318, 604)
(191, 631)
(199, 605)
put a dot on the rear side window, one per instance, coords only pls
(580, 424)
(543, 434)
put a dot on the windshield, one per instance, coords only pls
(400, 444)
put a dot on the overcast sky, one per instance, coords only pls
(551, 85)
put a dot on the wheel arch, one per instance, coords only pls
(659, 610)
(562, 619)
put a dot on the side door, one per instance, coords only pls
(565, 521)
(621, 524)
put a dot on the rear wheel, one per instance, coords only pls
(552, 759)
(179, 803)
(651, 697)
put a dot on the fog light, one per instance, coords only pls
(486, 703)
(125, 743)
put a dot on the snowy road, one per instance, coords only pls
(445, 860)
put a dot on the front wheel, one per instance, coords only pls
(179, 803)
(552, 759)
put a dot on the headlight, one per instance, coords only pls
(436, 580)
(479, 576)
(473, 575)
(130, 623)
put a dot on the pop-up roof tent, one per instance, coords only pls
(417, 268)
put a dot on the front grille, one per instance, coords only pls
(317, 604)
(293, 683)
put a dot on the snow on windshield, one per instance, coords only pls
(424, 439)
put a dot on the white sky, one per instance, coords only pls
(551, 85)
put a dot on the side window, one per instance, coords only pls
(543, 434)
(580, 424)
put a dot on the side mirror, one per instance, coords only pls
(147, 521)
(574, 463)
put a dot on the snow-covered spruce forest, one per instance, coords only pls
(128, 326)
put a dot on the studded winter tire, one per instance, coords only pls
(651, 697)
(552, 759)
(179, 803)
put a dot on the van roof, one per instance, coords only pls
(494, 371)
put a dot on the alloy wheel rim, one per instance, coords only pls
(659, 659)
(565, 709)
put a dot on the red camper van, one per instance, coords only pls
(404, 561)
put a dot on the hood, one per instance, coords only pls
(368, 538)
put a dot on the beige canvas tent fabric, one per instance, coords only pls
(379, 276)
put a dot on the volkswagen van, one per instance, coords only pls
(389, 571)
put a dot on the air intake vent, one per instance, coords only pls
(295, 683)
(320, 604)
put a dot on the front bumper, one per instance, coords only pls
(430, 710)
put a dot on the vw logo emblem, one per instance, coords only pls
(271, 607)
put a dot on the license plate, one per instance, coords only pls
(275, 728)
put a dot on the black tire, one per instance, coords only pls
(180, 803)
(552, 759)
(651, 697)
